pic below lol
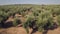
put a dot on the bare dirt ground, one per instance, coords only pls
(56, 31)
(21, 30)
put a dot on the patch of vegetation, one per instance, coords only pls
(38, 17)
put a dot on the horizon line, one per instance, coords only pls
(31, 4)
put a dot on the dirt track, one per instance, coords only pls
(20, 30)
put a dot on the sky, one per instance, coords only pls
(6, 2)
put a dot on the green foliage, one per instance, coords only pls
(15, 22)
(42, 14)
(43, 19)
(56, 11)
(26, 24)
(58, 20)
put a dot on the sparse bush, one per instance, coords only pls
(58, 20)
(41, 18)
(16, 22)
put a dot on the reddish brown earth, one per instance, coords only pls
(21, 30)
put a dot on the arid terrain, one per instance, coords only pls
(21, 30)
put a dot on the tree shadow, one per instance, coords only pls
(33, 26)
(45, 32)
(34, 30)
(46, 27)
(8, 24)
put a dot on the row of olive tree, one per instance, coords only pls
(38, 20)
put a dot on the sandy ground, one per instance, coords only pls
(21, 30)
